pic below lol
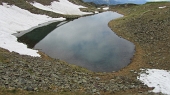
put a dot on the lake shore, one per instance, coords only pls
(146, 26)
(37, 74)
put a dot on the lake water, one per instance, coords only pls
(114, 2)
(86, 42)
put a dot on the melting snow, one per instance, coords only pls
(62, 7)
(162, 7)
(106, 8)
(160, 79)
(13, 19)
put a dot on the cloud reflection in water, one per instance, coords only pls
(90, 43)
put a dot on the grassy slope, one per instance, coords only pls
(147, 27)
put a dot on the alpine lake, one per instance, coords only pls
(87, 42)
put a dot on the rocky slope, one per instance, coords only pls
(141, 25)
(34, 74)
(147, 26)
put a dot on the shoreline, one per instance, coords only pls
(150, 49)
(148, 31)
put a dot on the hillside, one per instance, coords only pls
(147, 26)
(21, 15)
(25, 75)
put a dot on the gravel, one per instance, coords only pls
(34, 74)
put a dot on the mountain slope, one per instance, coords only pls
(61, 7)
(147, 26)
(114, 2)
(15, 18)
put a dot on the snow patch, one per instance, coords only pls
(162, 7)
(159, 79)
(106, 8)
(13, 19)
(96, 12)
(62, 7)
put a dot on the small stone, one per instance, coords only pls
(112, 80)
(135, 72)
(75, 81)
(36, 89)
(94, 90)
(98, 93)
(55, 90)
(6, 83)
(80, 82)
(30, 89)
(97, 78)
(84, 81)
(132, 86)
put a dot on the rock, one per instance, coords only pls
(94, 90)
(6, 83)
(55, 90)
(97, 78)
(29, 88)
(84, 81)
(35, 89)
(80, 82)
(98, 93)
(132, 70)
(132, 86)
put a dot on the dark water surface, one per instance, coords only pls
(88, 42)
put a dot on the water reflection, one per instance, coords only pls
(37, 34)
(89, 42)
